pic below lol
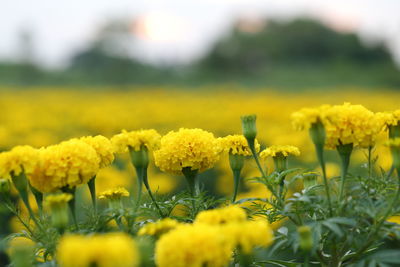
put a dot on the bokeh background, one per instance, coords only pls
(74, 68)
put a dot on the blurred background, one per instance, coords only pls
(290, 44)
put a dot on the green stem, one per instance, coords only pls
(38, 198)
(146, 184)
(92, 189)
(72, 203)
(369, 162)
(344, 153)
(255, 156)
(139, 173)
(320, 155)
(190, 176)
(236, 182)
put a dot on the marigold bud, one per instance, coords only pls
(249, 126)
(305, 238)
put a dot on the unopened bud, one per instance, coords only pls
(305, 238)
(249, 126)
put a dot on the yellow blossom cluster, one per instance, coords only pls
(67, 164)
(352, 124)
(115, 193)
(187, 148)
(103, 148)
(101, 250)
(237, 145)
(279, 150)
(395, 142)
(193, 246)
(135, 140)
(211, 239)
(17, 160)
(222, 215)
(344, 124)
(159, 228)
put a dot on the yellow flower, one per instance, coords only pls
(188, 148)
(20, 245)
(103, 148)
(278, 150)
(390, 118)
(18, 159)
(237, 145)
(193, 246)
(115, 193)
(69, 163)
(303, 118)
(249, 234)
(101, 250)
(352, 124)
(57, 200)
(159, 228)
(222, 215)
(394, 219)
(135, 140)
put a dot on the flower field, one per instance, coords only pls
(210, 177)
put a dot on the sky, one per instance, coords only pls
(178, 30)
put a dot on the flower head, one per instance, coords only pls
(249, 234)
(236, 145)
(304, 118)
(193, 246)
(135, 140)
(278, 150)
(223, 215)
(103, 148)
(17, 160)
(352, 124)
(187, 148)
(159, 228)
(115, 193)
(102, 250)
(67, 164)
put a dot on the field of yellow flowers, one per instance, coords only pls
(158, 177)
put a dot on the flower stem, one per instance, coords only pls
(146, 184)
(92, 189)
(255, 156)
(190, 176)
(320, 155)
(344, 153)
(236, 180)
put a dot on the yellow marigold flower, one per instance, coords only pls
(115, 193)
(303, 118)
(390, 118)
(56, 200)
(237, 145)
(278, 150)
(135, 140)
(103, 148)
(223, 215)
(158, 228)
(193, 148)
(249, 234)
(102, 250)
(193, 246)
(352, 124)
(18, 159)
(69, 163)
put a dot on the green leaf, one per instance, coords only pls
(333, 227)
(281, 263)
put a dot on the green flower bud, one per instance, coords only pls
(236, 161)
(317, 133)
(305, 238)
(280, 162)
(249, 126)
(140, 158)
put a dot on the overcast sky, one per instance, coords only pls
(178, 30)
